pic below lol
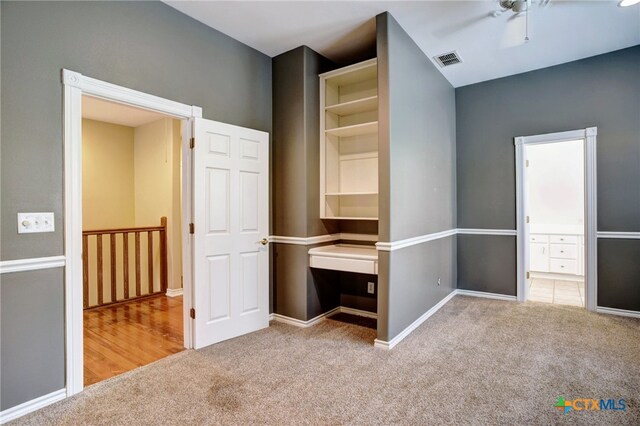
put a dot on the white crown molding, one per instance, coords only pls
(396, 245)
(108, 91)
(31, 406)
(619, 235)
(33, 264)
(485, 295)
(477, 231)
(174, 292)
(620, 312)
(382, 344)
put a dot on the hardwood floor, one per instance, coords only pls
(123, 337)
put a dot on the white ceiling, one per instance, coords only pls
(111, 112)
(491, 47)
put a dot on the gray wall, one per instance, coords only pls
(299, 292)
(146, 46)
(417, 179)
(602, 91)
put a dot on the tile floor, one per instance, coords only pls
(556, 291)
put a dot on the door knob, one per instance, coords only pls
(264, 241)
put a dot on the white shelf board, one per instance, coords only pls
(354, 107)
(349, 218)
(339, 194)
(355, 130)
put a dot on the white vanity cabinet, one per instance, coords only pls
(556, 253)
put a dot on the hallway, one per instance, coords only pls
(123, 337)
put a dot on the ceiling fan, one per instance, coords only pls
(519, 8)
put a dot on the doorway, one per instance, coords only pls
(131, 237)
(556, 218)
(554, 196)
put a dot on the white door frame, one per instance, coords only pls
(589, 135)
(75, 86)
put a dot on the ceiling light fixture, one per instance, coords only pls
(625, 3)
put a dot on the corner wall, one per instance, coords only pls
(417, 180)
(602, 91)
(146, 46)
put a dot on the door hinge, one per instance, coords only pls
(191, 228)
(527, 221)
(192, 143)
(527, 163)
(528, 274)
(192, 313)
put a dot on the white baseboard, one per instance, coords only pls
(31, 406)
(485, 295)
(404, 333)
(304, 324)
(621, 312)
(174, 292)
(358, 312)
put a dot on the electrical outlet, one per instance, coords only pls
(439, 282)
(371, 288)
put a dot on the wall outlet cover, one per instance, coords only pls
(371, 288)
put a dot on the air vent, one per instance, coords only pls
(447, 59)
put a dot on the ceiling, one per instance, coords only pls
(490, 47)
(115, 113)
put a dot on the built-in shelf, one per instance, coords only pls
(353, 107)
(349, 142)
(354, 130)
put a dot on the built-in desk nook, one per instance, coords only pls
(345, 257)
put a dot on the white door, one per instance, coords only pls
(231, 215)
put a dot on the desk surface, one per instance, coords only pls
(347, 251)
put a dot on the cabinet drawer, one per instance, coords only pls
(564, 239)
(538, 238)
(563, 266)
(564, 251)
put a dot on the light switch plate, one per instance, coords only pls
(29, 223)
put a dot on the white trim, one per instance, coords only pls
(308, 241)
(303, 324)
(396, 245)
(485, 295)
(75, 86)
(556, 137)
(313, 321)
(358, 312)
(476, 231)
(404, 333)
(174, 292)
(619, 235)
(31, 406)
(102, 89)
(33, 264)
(620, 312)
(301, 241)
(590, 234)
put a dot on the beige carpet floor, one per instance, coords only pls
(475, 361)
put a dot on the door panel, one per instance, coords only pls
(231, 216)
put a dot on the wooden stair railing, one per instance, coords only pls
(126, 286)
